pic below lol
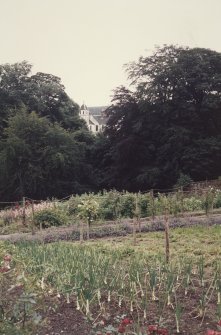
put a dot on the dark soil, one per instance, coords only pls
(66, 320)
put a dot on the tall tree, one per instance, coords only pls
(46, 95)
(171, 123)
(12, 88)
(40, 159)
(41, 92)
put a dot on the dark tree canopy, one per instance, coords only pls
(40, 159)
(42, 93)
(167, 125)
(170, 123)
(44, 145)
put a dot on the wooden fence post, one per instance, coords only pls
(23, 211)
(81, 232)
(33, 213)
(182, 207)
(167, 241)
(153, 205)
(88, 229)
(138, 211)
(134, 232)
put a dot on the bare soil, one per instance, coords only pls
(67, 320)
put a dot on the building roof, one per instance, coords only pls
(83, 107)
(100, 119)
(97, 115)
(97, 110)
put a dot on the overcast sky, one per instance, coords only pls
(87, 42)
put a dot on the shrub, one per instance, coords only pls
(127, 205)
(143, 205)
(183, 181)
(88, 209)
(217, 199)
(110, 205)
(192, 204)
(49, 217)
(73, 203)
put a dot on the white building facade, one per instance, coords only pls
(94, 118)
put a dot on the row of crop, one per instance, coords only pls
(98, 277)
(111, 205)
(114, 205)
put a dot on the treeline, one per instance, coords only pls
(165, 130)
(168, 127)
(44, 145)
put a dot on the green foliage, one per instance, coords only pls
(217, 199)
(50, 218)
(88, 209)
(73, 203)
(208, 200)
(110, 205)
(41, 92)
(18, 303)
(192, 204)
(117, 273)
(43, 141)
(169, 123)
(127, 202)
(40, 159)
(143, 204)
(183, 181)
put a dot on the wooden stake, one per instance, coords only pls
(88, 230)
(134, 231)
(23, 211)
(153, 209)
(167, 241)
(33, 213)
(137, 210)
(81, 232)
(182, 207)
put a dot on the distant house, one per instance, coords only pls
(95, 117)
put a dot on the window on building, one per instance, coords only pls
(96, 127)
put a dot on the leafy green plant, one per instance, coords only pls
(208, 200)
(110, 205)
(127, 205)
(88, 209)
(217, 199)
(72, 204)
(183, 181)
(192, 204)
(49, 218)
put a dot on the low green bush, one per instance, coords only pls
(143, 205)
(128, 201)
(109, 205)
(217, 199)
(192, 204)
(50, 217)
(73, 203)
